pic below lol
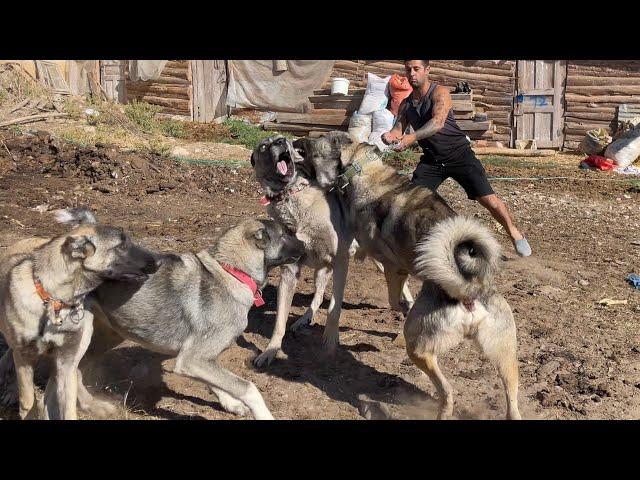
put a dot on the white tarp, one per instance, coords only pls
(145, 69)
(274, 84)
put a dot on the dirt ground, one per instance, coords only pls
(578, 359)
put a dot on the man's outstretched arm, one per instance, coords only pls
(441, 106)
(398, 127)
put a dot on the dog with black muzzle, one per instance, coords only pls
(44, 285)
(413, 231)
(319, 221)
(195, 306)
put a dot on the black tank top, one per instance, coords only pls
(449, 142)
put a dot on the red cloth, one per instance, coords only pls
(399, 89)
(600, 163)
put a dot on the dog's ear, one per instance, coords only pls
(261, 238)
(340, 141)
(299, 146)
(78, 246)
(253, 160)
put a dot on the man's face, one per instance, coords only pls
(416, 72)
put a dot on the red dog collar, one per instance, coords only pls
(258, 301)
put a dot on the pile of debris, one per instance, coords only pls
(23, 99)
(617, 153)
(108, 169)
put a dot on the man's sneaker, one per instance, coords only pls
(522, 247)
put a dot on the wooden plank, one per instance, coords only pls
(327, 91)
(288, 127)
(463, 115)
(468, 125)
(468, 97)
(177, 103)
(348, 107)
(335, 98)
(588, 80)
(608, 99)
(177, 91)
(312, 119)
(606, 90)
(462, 106)
(503, 72)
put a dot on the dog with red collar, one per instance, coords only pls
(196, 305)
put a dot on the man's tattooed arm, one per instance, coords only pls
(441, 106)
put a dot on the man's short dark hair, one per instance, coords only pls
(424, 62)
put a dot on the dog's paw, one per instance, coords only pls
(98, 408)
(266, 357)
(304, 321)
(234, 406)
(330, 341)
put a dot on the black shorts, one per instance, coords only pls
(465, 169)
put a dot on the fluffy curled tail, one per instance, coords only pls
(460, 255)
(75, 216)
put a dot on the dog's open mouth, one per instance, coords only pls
(283, 165)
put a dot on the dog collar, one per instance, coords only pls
(258, 301)
(283, 195)
(48, 300)
(344, 179)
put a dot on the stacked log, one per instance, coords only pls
(595, 88)
(171, 91)
(493, 83)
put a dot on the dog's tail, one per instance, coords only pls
(460, 255)
(75, 216)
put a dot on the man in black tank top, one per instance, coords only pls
(446, 149)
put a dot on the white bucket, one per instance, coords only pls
(339, 86)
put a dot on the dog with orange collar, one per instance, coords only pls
(44, 283)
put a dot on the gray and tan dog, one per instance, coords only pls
(388, 214)
(44, 311)
(458, 300)
(196, 305)
(391, 219)
(321, 221)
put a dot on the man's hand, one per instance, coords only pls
(405, 142)
(391, 136)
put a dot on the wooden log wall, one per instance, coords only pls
(594, 89)
(172, 90)
(493, 83)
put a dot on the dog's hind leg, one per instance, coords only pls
(321, 279)
(25, 365)
(498, 343)
(331, 336)
(428, 363)
(197, 360)
(288, 281)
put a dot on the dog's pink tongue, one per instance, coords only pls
(282, 167)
